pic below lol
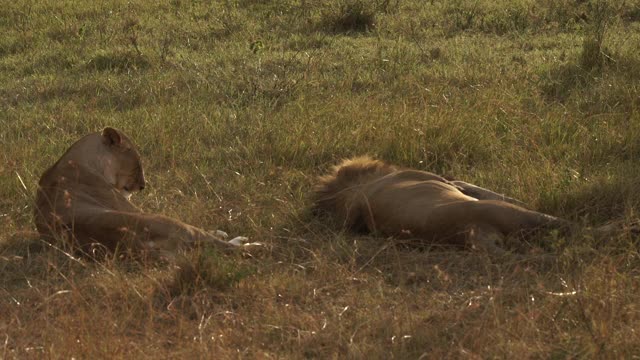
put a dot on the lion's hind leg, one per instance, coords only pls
(499, 216)
(481, 193)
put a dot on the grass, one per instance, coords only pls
(236, 107)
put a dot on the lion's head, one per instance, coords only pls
(120, 162)
(333, 190)
(108, 154)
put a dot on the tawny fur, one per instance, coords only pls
(367, 194)
(83, 200)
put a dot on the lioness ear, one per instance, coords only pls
(111, 136)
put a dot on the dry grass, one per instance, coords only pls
(237, 106)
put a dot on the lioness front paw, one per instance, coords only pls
(239, 240)
(220, 234)
(217, 234)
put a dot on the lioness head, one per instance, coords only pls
(120, 162)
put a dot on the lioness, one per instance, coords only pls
(84, 199)
(371, 195)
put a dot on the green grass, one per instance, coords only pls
(236, 107)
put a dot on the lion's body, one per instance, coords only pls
(371, 195)
(82, 199)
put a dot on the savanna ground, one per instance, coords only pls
(236, 107)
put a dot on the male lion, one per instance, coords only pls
(371, 195)
(83, 199)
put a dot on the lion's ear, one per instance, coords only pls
(111, 136)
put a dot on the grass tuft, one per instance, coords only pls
(206, 270)
(352, 16)
(594, 53)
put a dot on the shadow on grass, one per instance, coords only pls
(561, 82)
(124, 61)
(27, 261)
(100, 95)
(608, 197)
(603, 200)
(351, 16)
(585, 75)
(22, 244)
(199, 279)
(206, 269)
